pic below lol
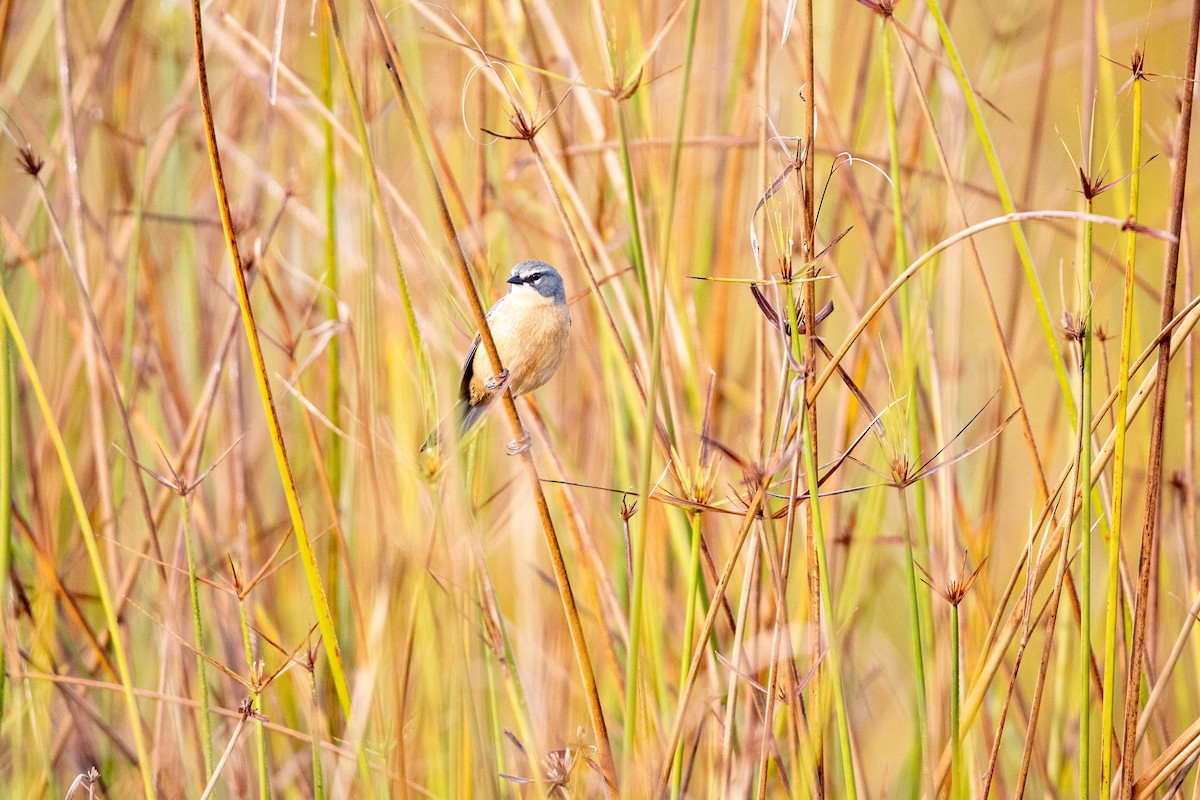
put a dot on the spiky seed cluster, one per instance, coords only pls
(29, 162)
(628, 508)
(901, 469)
(246, 709)
(956, 588)
(1074, 326)
(884, 8)
(1137, 64)
(560, 764)
(697, 483)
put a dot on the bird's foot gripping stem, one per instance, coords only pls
(518, 446)
(495, 382)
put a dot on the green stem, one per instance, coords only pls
(958, 777)
(689, 626)
(1114, 539)
(6, 412)
(264, 791)
(1085, 522)
(639, 255)
(317, 771)
(198, 631)
(923, 767)
(647, 449)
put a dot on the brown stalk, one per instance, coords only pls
(599, 727)
(1158, 418)
(6, 7)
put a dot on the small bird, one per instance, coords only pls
(532, 326)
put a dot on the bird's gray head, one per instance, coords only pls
(541, 278)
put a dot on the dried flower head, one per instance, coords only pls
(956, 589)
(1074, 327)
(628, 508)
(246, 709)
(29, 162)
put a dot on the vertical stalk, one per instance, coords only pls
(198, 630)
(1112, 600)
(638, 545)
(6, 414)
(1085, 517)
(924, 766)
(900, 250)
(318, 772)
(255, 670)
(689, 627)
(959, 787)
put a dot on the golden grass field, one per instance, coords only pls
(227, 572)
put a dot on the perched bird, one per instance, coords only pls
(531, 325)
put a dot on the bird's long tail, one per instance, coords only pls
(468, 418)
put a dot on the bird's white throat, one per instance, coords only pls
(523, 295)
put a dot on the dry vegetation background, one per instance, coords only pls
(168, 615)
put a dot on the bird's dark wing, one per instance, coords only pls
(468, 367)
(468, 372)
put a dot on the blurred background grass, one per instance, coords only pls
(462, 673)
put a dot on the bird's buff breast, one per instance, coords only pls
(532, 340)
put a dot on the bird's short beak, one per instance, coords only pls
(515, 280)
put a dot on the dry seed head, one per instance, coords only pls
(1137, 64)
(560, 764)
(1074, 327)
(884, 8)
(246, 709)
(628, 508)
(698, 481)
(29, 162)
(956, 588)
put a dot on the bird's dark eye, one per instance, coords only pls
(537, 276)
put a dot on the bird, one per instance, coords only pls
(531, 326)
